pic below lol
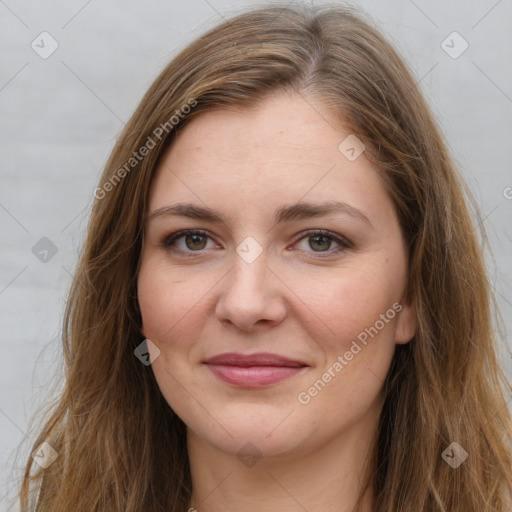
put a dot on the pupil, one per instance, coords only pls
(320, 243)
(195, 242)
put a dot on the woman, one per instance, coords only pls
(281, 303)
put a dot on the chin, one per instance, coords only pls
(266, 435)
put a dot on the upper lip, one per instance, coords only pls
(246, 360)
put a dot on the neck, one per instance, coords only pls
(328, 478)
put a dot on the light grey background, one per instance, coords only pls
(60, 116)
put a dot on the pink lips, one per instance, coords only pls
(254, 370)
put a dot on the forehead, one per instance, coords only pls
(284, 150)
(284, 126)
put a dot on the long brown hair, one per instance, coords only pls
(121, 447)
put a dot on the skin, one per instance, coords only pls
(293, 300)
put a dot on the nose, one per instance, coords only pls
(251, 297)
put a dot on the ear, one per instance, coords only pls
(405, 325)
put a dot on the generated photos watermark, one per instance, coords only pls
(454, 455)
(147, 352)
(145, 149)
(45, 455)
(305, 397)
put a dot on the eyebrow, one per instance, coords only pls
(298, 211)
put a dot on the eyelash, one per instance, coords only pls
(343, 243)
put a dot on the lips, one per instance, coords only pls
(246, 360)
(253, 370)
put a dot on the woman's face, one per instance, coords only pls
(277, 316)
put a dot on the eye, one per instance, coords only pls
(188, 241)
(323, 241)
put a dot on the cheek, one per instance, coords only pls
(354, 329)
(165, 300)
(349, 302)
(172, 309)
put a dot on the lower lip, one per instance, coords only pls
(253, 376)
